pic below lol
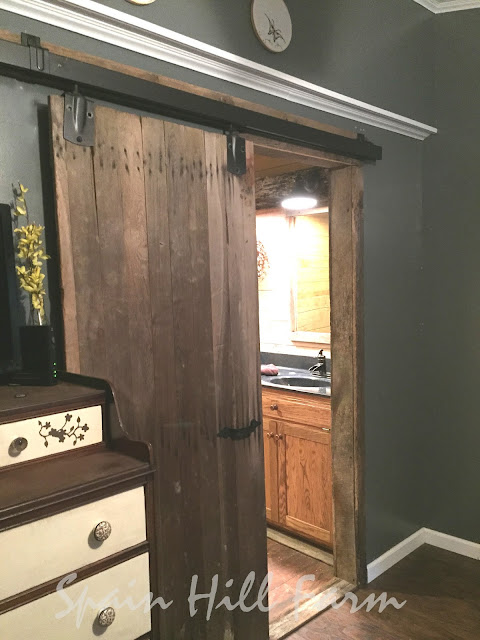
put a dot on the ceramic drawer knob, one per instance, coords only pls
(18, 445)
(106, 617)
(102, 531)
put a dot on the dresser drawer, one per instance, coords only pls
(72, 614)
(297, 407)
(40, 551)
(46, 435)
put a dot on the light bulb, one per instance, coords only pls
(298, 203)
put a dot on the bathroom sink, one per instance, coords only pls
(299, 381)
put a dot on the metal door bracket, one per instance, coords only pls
(236, 157)
(39, 57)
(79, 119)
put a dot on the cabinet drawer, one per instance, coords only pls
(40, 551)
(73, 612)
(302, 408)
(46, 435)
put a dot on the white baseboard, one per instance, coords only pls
(413, 542)
(451, 543)
(395, 554)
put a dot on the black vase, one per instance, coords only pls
(37, 344)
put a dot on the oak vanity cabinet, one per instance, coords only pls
(298, 461)
(75, 516)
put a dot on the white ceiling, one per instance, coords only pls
(444, 6)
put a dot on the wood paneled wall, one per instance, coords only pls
(312, 278)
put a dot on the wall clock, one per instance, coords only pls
(141, 1)
(272, 24)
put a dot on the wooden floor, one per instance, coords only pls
(442, 591)
(287, 566)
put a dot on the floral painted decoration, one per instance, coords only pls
(75, 431)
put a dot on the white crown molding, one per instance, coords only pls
(94, 20)
(409, 545)
(446, 6)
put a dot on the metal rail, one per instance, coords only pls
(32, 63)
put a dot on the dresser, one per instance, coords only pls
(76, 516)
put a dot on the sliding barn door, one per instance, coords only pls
(159, 284)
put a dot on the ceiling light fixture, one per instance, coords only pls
(299, 202)
(303, 195)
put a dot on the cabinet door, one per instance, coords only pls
(271, 469)
(305, 480)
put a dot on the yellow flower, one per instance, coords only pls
(30, 251)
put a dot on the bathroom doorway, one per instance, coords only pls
(310, 522)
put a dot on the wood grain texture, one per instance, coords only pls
(312, 157)
(269, 166)
(347, 373)
(305, 481)
(27, 401)
(301, 469)
(441, 589)
(118, 166)
(271, 190)
(62, 155)
(32, 491)
(297, 407)
(243, 300)
(271, 469)
(358, 373)
(287, 566)
(178, 277)
(333, 591)
(312, 276)
(302, 546)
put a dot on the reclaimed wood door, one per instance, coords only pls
(159, 284)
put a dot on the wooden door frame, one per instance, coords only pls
(347, 337)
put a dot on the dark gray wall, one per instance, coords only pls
(373, 50)
(452, 268)
(378, 51)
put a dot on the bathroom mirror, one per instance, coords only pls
(310, 277)
(293, 279)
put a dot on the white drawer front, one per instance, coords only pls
(47, 618)
(49, 434)
(40, 551)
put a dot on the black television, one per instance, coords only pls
(9, 325)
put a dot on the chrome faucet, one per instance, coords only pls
(320, 369)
